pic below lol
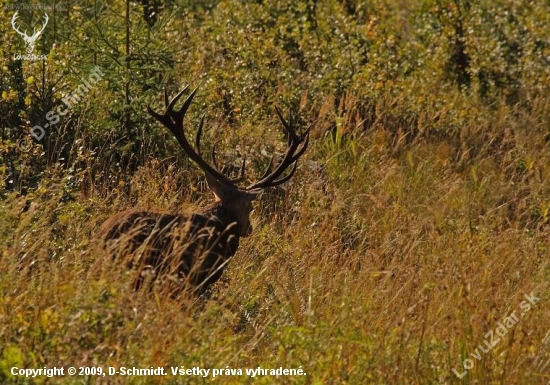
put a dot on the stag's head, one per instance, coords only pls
(237, 199)
(29, 40)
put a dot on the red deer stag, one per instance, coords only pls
(195, 249)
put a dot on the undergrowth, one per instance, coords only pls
(417, 222)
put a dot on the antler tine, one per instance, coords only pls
(271, 179)
(169, 112)
(241, 169)
(13, 19)
(198, 136)
(287, 125)
(183, 110)
(241, 172)
(213, 155)
(291, 156)
(166, 96)
(268, 169)
(173, 120)
(276, 182)
(285, 178)
(305, 139)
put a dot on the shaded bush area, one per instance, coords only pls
(418, 221)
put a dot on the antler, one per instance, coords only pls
(24, 34)
(291, 156)
(173, 120)
(15, 16)
(37, 33)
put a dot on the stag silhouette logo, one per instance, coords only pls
(29, 40)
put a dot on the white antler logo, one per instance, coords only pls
(29, 40)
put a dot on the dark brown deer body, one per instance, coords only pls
(195, 249)
(204, 243)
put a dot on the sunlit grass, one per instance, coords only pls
(381, 267)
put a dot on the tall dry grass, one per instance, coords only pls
(388, 259)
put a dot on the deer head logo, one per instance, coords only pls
(29, 40)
